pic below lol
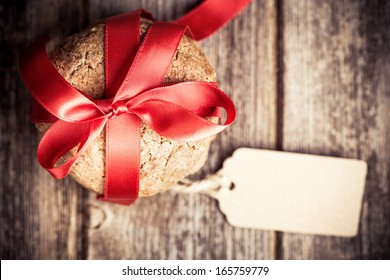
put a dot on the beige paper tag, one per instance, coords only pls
(293, 192)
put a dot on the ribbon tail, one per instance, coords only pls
(61, 138)
(211, 15)
(122, 159)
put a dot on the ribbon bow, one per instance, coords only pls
(134, 93)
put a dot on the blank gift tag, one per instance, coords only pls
(293, 192)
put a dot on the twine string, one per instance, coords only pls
(211, 184)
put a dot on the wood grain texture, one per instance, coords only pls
(336, 100)
(180, 226)
(40, 218)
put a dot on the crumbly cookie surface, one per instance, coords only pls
(80, 60)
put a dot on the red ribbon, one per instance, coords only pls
(134, 93)
(211, 15)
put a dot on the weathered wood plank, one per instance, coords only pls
(336, 100)
(180, 226)
(40, 218)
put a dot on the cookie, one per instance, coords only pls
(163, 162)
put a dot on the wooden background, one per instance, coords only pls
(306, 76)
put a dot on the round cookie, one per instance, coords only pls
(163, 162)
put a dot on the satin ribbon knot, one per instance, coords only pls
(112, 110)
